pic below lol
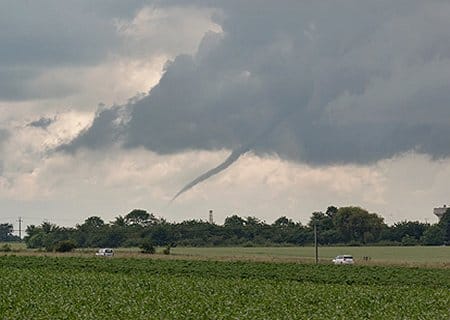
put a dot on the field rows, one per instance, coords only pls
(80, 288)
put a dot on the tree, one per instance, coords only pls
(284, 230)
(325, 226)
(321, 220)
(401, 229)
(48, 227)
(64, 246)
(234, 221)
(331, 211)
(253, 227)
(45, 235)
(6, 232)
(234, 227)
(141, 218)
(112, 237)
(119, 222)
(34, 237)
(160, 235)
(433, 236)
(147, 247)
(283, 222)
(444, 224)
(408, 240)
(357, 224)
(92, 223)
(91, 233)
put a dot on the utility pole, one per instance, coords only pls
(315, 242)
(20, 227)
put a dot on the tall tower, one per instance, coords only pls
(211, 220)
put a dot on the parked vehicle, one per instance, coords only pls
(105, 252)
(344, 259)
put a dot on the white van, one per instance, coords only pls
(105, 252)
(344, 259)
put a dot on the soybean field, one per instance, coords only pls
(40, 287)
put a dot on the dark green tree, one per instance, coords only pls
(283, 222)
(119, 222)
(64, 246)
(234, 221)
(6, 232)
(444, 224)
(91, 233)
(147, 247)
(414, 229)
(284, 230)
(322, 221)
(355, 224)
(331, 211)
(160, 235)
(93, 223)
(433, 236)
(141, 218)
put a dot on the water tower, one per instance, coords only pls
(439, 212)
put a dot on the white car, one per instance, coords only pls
(344, 259)
(105, 252)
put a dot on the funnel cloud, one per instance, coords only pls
(235, 155)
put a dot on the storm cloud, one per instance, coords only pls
(336, 81)
(46, 46)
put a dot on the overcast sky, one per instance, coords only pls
(106, 106)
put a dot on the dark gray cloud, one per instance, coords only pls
(336, 81)
(106, 129)
(42, 123)
(50, 32)
(36, 36)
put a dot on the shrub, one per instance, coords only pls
(354, 243)
(64, 246)
(5, 248)
(147, 247)
(408, 240)
(387, 243)
(167, 250)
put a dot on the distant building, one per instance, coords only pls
(439, 212)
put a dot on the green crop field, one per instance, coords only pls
(38, 287)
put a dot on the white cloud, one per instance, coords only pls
(266, 187)
(169, 30)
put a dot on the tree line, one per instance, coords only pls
(335, 226)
